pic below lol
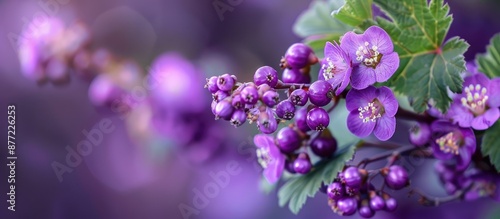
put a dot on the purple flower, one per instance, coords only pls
(270, 157)
(453, 143)
(336, 67)
(477, 106)
(375, 57)
(372, 110)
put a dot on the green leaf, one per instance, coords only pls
(489, 63)
(297, 189)
(354, 12)
(317, 20)
(491, 145)
(427, 67)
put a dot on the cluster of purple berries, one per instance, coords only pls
(259, 101)
(352, 191)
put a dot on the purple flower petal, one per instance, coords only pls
(486, 120)
(362, 77)
(464, 158)
(388, 100)
(477, 79)
(378, 37)
(388, 65)
(360, 98)
(459, 114)
(469, 140)
(350, 43)
(357, 126)
(263, 141)
(493, 90)
(275, 169)
(346, 78)
(385, 128)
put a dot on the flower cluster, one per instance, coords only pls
(371, 109)
(353, 191)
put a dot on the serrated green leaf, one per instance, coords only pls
(489, 63)
(317, 20)
(427, 67)
(354, 12)
(296, 190)
(491, 145)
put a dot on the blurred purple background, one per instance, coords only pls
(129, 175)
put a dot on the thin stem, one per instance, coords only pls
(281, 85)
(408, 115)
(427, 200)
(335, 103)
(382, 156)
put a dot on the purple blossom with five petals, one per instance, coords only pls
(477, 106)
(372, 110)
(375, 60)
(336, 67)
(453, 143)
(270, 157)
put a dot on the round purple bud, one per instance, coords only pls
(318, 119)
(219, 96)
(302, 164)
(285, 110)
(213, 105)
(299, 97)
(366, 212)
(295, 76)
(297, 55)
(347, 206)
(335, 191)
(266, 123)
(377, 203)
(250, 95)
(237, 102)
(289, 166)
(266, 75)
(288, 140)
(352, 177)
(225, 82)
(397, 177)
(301, 119)
(324, 147)
(391, 204)
(238, 118)
(270, 98)
(420, 134)
(224, 110)
(212, 84)
(321, 93)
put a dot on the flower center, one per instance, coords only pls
(369, 56)
(449, 143)
(264, 157)
(475, 99)
(371, 112)
(330, 69)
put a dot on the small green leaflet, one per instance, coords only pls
(297, 189)
(491, 145)
(317, 25)
(427, 67)
(489, 63)
(354, 12)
